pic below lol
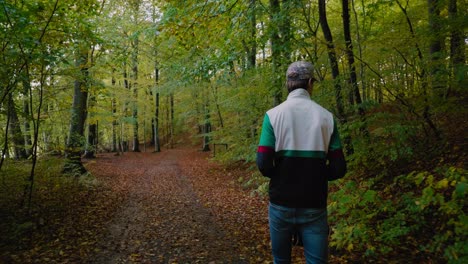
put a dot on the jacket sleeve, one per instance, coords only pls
(336, 160)
(266, 149)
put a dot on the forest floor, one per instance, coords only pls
(177, 206)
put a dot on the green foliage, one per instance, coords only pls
(244, 104)
(255, 182)
(391, 141)
(420, 213)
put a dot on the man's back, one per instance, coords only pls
(300, 124)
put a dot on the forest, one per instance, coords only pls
(81, 78)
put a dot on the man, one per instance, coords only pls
(300, 151)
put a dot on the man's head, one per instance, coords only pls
(299, 75)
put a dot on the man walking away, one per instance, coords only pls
(300, 151)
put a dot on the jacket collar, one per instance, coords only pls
(299, 93)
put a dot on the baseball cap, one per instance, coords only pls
(300, 70)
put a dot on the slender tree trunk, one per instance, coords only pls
(252, 47)
(155, 119)
(75, 142)
(437, 68)
(280, 39)
(15, 128)
(362, 75)
(114, 118)
(47, 135)
(114, 126)
(312, 26)
(167, 122)
(352, 67)
(136, 142)
(332, 57)
(285, 31)
(5, 140)
(214, 92)
(457, 46)
(171, 125)
(350, 56)
(157, 143)
(335, 70)
(206, 128)
(92, 132)
(92, 141)
(47, 131)
(275, 14)
(123, 135)
(135, 6)
(36, 125)
(26, 111)
(91, 146)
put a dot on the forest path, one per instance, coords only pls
(178, 207)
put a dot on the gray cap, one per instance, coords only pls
(300, 70)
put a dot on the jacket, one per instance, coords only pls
(300, 151)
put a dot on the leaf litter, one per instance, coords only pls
(178, 207)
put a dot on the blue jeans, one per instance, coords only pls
(312, 225)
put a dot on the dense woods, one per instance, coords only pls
(83, 77)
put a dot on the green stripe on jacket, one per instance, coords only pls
(302, 154)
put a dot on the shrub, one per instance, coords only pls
(420, 215)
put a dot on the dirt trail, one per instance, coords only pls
(176, 207)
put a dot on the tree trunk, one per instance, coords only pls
(123, 136)
(135, 7)
(206, 128)
(92, 132)
(171, 125)
(214, 92)
(362, 74)
(437, 69)
(92, 142)
(252, 46)
(275, 14)
(457, 46)
(5, 152)
(350, 55)
(115, 126)
(15, 128)
(114, 118)
(27, 113)
(285, 32)
(136, 142)
(75, 141)
(157, 142)
(155, 119)
(36, 125)
(332, 58)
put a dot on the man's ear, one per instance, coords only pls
(310, 84)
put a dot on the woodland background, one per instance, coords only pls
(81, 77)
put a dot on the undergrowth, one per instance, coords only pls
(37, 231)
(404, 197)
(420, 215)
